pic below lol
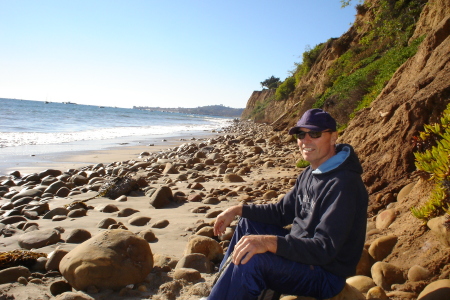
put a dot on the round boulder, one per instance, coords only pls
(109, 260)
(204, 245)
(385, 275)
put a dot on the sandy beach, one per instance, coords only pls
(266, 169)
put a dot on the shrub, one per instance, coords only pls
(302, 163)
(285, 89)
(434, 161)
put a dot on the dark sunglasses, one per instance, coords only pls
(312, 134)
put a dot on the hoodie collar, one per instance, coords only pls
(334, 162)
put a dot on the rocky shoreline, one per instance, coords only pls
(142, 228)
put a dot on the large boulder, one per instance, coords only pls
(109, 260)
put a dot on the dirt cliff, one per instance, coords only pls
(416, 95)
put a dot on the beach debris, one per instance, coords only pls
(19, 258)
(117, 187)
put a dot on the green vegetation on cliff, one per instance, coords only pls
(433, 160)
(376, 46)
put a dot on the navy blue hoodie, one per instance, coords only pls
(328, 211)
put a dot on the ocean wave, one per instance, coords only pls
(12, 139)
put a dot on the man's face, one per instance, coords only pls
(317, 150)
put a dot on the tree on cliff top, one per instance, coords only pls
(271, 82)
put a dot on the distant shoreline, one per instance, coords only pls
(211, 110)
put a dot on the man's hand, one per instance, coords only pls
(250, 245)
(225, 218)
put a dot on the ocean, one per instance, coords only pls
(29, 128)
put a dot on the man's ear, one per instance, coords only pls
(334, 136)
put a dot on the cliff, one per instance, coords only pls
(381, 133)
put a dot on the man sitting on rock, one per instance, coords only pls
(327, 210)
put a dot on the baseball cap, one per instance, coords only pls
(315, 119)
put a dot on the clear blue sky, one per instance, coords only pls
(179, 53)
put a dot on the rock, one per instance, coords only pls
(405, 191)
(418, 273)
(15, 174)
(107, 208)
(206, 231)
(58, 211)
(232, 178)
(204, 245)
(105, 223)
(12, 274)
(195, 198)
(35, 208)
(59, 287)
(161, 197)
(361, 283)
(78, 236)
(188, 274)
(54, 187)
(140, 165)
(213, 214)
(78, 180)
(147, 235)
(438, 290)
(385, 275)
(377, 293)
(13, 220)
(39, 238)
(77, 213)
(439, 227)
(139, 221)
(365, 263)
(349, 293)
(268, 164)
(195, 261)
(270, 194)
(386, 218)
(256, 150)
(227, 235)
(50, 172)
(54, 259)
(122, 198)
(27, 193)
(126, 212)
(74, 296)
(109, 260)
(170, 169)
(161, 224)
(62, 192)
(211, 200)
(59, 218)
(382, 247)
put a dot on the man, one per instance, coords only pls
(327, 210)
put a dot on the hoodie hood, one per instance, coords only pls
(345, 156)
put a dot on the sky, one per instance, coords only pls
(169, 53)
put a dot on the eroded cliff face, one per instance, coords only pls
(416, 95)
